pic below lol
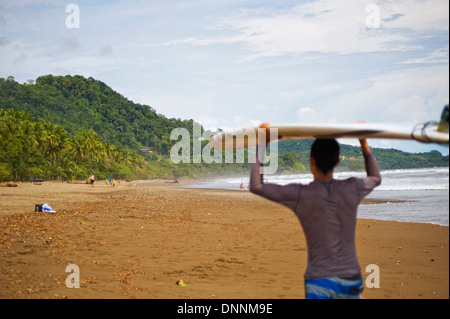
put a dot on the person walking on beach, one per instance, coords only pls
(92, 179)
(326, 209)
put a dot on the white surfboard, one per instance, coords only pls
(247, 137)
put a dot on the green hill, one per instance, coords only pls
(65, 127)
(79, 104)
(351, 156)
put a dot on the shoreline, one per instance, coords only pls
(138, 241)
(61, 194)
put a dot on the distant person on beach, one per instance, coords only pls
(326, 209)
(92, 179)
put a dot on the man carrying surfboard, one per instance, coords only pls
(326, 209)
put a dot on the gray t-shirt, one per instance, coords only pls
(327, 212)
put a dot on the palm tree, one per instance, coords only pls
(54, 140)
(37, 135)
(113, 153)
(99, 153)
(90, 140)
(76, 147)
(125, 156)
(75, 171)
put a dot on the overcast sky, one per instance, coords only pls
(237, 63)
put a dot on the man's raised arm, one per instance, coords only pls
(286, 195)
(373, 172)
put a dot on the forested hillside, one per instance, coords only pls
(79, 104)
(34, 148)
(351, 156)
(30, 148)
(66, 127)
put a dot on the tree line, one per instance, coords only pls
(79, 104)
(351, 156)
(36, 148)
(67, 127)
(33, 148)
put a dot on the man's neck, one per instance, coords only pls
(323, 177)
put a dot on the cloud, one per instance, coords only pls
(3, 22)
(440, 55)
(416, 15)
(393, 17)
(408, 96)
(69, 43)
(308, 115)
(21, 58)
(328, 26)
(24, 3)
(3, 41)
(106, 51)
(261, 107)
(293, 95)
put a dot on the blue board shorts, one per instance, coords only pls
(334, 288)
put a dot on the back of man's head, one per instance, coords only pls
(326, 154)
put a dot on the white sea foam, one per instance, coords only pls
(424, 192)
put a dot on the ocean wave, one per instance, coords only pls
(423, 192)
(393, 180)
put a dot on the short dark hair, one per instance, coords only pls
(326, 154)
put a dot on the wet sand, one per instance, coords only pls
(139, 239)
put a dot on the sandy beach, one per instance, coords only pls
(139, 239)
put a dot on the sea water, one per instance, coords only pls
(411, 195)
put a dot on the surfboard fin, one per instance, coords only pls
(443, 124)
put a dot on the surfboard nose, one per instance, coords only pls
(443, 124)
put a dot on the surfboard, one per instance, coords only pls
(428, 132)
